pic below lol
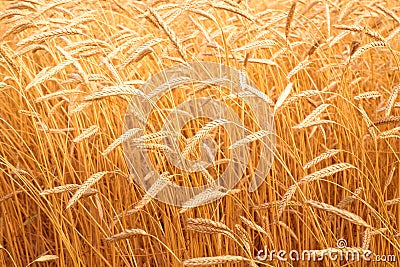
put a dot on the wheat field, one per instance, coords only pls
(69, 69)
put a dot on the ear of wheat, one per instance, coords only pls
(195, 140)
(328, 171)
(250, 138)
(47, 73)
(60, 189)
(40, 37)
(368, 95)
(85, 186)
(46, 258)
(282, 97)
(253, 225)
(363, 49)
(391, 100)
(321, 157)
(256, 44)
(208, 226)
(349, 216)
(289, 18)
(126, 234)
(313, 116)
(207, 261)
(88, 132)
(128, 134)
(303, 64)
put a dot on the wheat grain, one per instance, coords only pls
(205, 197)
(284, 202)
(235, 10)
(386, 120)
(257, 44)
(10, 195)
(120, 90)
(389, 179)
(392, 201)
(390, 133)
(363, 49)
(244, 236)
(142, 51)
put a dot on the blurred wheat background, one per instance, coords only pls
(69, 68)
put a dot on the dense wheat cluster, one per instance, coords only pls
(68, 69)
